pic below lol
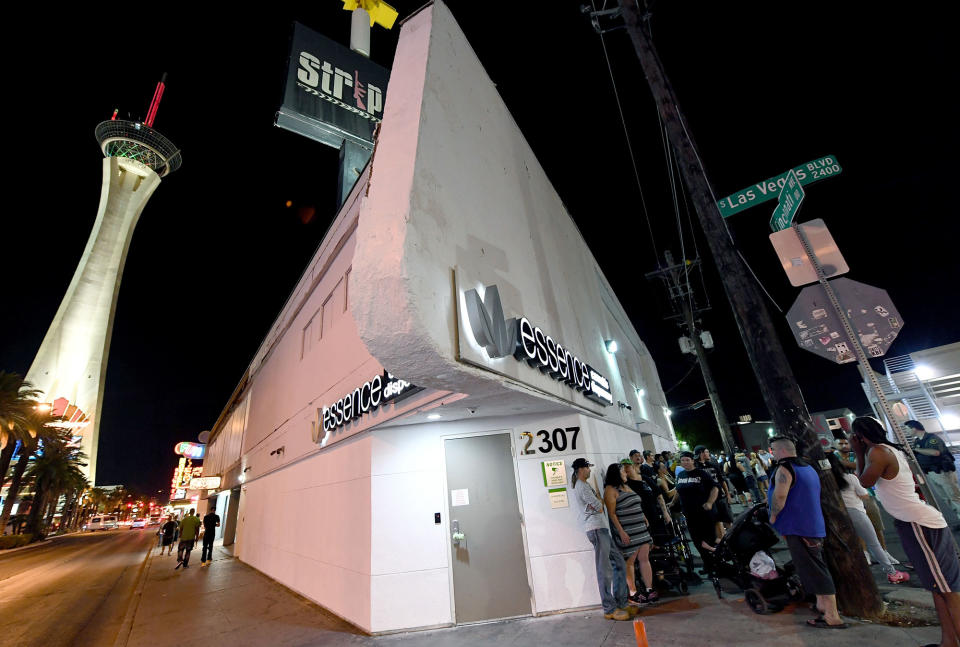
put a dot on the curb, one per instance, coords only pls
(126, 627)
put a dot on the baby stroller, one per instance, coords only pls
(751, 533)
(671, 558)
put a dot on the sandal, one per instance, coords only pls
(821, 623)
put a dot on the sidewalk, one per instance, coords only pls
(231, 604)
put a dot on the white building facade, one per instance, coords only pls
(399, 448)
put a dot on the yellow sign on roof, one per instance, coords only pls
(380, 12)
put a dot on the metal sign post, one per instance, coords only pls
(865, 368)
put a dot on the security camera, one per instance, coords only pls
(471, 410)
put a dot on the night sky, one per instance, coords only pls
(764, 86)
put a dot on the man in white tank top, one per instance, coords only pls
(922, 529)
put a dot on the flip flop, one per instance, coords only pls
(821, 623)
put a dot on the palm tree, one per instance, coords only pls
(55, 472)
(17, 404)
(38, 426)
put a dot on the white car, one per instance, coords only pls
(101, 522)
(138, 523)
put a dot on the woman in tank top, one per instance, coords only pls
(628, 525)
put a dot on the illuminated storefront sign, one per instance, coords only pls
(205, 483)
(364, 399)
(526, 342)
(196, 451)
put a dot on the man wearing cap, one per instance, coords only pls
(611, 569)
(936, 461)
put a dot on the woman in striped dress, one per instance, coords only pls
(628, 525)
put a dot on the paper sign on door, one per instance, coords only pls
(553, 473)
(459, 497)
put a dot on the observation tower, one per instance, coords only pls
(71, 365)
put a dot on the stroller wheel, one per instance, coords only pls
(795, 588)
(683, 588)
(755, 601)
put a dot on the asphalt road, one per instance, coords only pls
(70, 591)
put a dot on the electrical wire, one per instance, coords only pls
(685, 376)
(626, 136)
(713, 197)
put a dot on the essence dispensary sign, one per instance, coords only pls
(501, 337)
(366, 398)
(331, 92)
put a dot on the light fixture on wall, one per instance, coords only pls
(433, 416)
(668, 412)
(641, 392)
(611, 345)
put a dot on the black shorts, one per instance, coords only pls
(807, 555)
(722, 511)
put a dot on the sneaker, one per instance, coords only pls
(898, 577)
(638, 598)
(632, 610)
(186, 565)
(618, 614)
(652, 595)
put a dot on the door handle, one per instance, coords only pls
(456, 535)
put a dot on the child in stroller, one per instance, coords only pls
(743, 557)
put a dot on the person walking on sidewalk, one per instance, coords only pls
(853, 496)
(211, 521)
(611, 569)
(188, 536)
(922, 529)
(794, 502)
(168, 529)
(937, 464)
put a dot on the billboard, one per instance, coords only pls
(331, 93)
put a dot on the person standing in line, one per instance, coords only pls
(922, 529)
(848, 460)
(853, 496)
(722, 513)
(794, 503)
(611, 570)
(167, 530)
(937, 464)
(698, 494)
(188, 536)
(765, 459)
(630, 530)
(211, 521)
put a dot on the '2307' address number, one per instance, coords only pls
(549, 441)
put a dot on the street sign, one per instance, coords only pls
(791, 195)
(793, 256)
(814, 171)
(817, 327)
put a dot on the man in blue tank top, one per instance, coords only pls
(794, 501)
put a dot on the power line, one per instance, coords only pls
(626, 136)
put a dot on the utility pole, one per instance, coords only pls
(857, 592)
(676, 278)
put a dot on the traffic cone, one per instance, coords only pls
(641, 633)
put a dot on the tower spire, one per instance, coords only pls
(155, 103)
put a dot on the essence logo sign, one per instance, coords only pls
(364, 399)
(526, 342)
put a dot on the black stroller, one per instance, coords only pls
(752, 533)
(671, 557)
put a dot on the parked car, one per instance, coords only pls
(138, 523)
